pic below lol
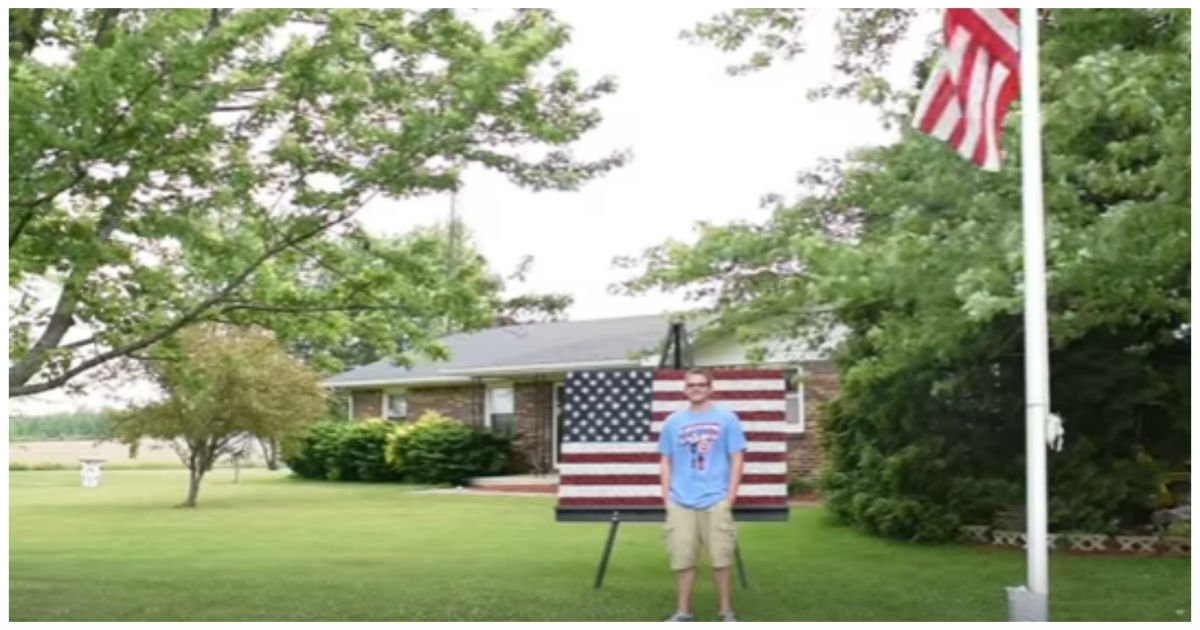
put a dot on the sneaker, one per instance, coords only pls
(680, 616)
(727, 616)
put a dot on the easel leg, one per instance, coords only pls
(612, 535)
(741, 568)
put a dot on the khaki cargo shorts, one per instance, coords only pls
(686, 531)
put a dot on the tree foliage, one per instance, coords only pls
(224, 387)
(179, 166)
(912, 256)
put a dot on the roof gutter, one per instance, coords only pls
(466, 375)
(420, 380)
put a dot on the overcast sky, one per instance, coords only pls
(706, 147)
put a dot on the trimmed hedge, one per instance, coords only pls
(341, 451)
(438, 449)
(435, 449)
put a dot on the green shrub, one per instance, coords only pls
(1182, 529)
(312, 453)
(438, 449)
(337, 450)
(802, 484)
(361, 452)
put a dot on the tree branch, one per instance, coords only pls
(19, 388)
(26, 36)
(107, 20)
(254, 306)
(63, 316)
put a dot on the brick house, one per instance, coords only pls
(510, 380)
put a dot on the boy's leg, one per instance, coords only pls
(683, 550)
(721, 537)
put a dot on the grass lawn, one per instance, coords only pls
(275, 548)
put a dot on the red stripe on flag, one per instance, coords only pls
(657, 502)
(983, 32)
(615, 458)
(722, 374)
(753, 436)
(778, 394)
(641, 458)
(767, 416)
(937, 107)
(762, 436)
(649, 480)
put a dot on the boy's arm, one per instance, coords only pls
(735, 474)
(737, 455)
(665, 475)
(664, 462)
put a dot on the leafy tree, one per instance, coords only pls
(912, 257)
(224, 386)
(175, 166)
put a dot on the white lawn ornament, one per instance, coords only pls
(1054, 432)
(89, 471)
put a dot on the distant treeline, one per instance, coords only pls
(79, 425)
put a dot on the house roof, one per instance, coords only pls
(548, 347)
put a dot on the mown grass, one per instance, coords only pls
(277, 548)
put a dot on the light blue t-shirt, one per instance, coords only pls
(701, 445)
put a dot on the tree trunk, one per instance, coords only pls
(270, 448)
(195, 474)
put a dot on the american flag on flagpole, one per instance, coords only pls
(609, 454)
(975, 79)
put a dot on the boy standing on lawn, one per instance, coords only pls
(702, 448)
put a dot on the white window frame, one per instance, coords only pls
(387, 395)
(487, 400)
(798, 395)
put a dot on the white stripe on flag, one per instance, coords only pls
(725, 385)
(979, 76)
(992, 143)
(655, 490)
(732, 405)
(1003, 25)
(652, 447)
(749, 468)
(747, 426)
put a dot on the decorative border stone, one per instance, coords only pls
(1177, 544)
(1005, 537)
(1087, 542)
(1051, 541)
(1139, 544)
(974, 533)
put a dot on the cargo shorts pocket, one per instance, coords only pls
(722, 535)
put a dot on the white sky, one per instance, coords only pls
(706, 147)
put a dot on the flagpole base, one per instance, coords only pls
(1025, 605)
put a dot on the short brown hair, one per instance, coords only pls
(699, 372)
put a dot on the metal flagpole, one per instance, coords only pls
(1031, 602)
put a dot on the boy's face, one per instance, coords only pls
(697, 388)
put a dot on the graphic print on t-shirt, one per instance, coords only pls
(698, 438)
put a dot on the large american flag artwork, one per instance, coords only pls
(609, 457)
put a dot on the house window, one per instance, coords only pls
(794, 419)
(501, 409)
(395, 406)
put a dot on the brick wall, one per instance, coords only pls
(534, 406)
(463, 402)
(804, 449)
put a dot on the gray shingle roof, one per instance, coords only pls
(554, 343)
